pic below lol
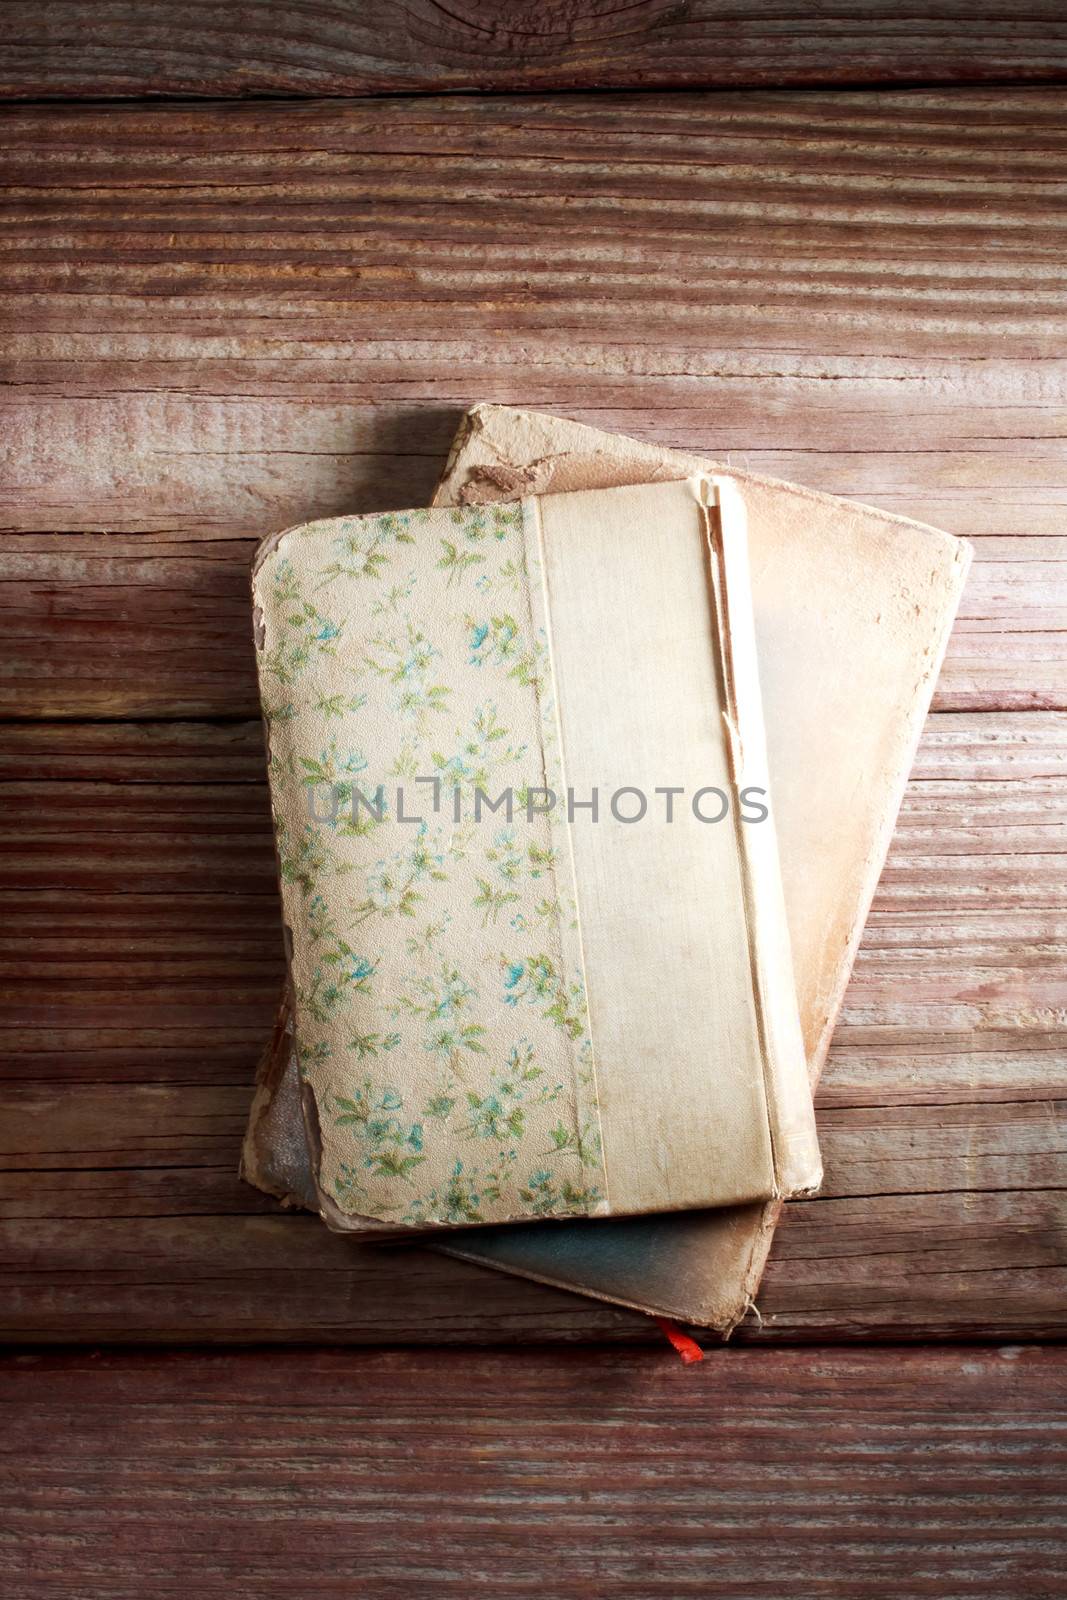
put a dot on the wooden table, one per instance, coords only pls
(230, 306)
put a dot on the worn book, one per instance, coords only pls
(853, 610)
(533, 908)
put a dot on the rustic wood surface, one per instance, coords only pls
(110, 48)
(903, 1475)
(219, 319)
(223, 319)
(140, 931)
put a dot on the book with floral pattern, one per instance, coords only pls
(535, 924)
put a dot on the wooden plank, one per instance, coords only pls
(232, 318)
(899, 1149)
(143, 970)
(158, 47)
(78, 609)
(227, 1278)
(157, 1242)
(230, 321)
(830, 1474)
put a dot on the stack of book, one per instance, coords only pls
(582, 778)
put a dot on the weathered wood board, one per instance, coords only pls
(909, 1475)
(223, 319)
(110, 48)
(140, 929)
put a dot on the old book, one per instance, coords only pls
(853, 610)
(554, 981)
(536, 932)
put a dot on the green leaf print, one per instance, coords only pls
(455, 561)
(438, 1019)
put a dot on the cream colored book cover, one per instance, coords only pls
(853, 610)
(536, 932)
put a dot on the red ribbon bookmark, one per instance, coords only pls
(686, 1347)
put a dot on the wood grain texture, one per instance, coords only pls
(140, 940)
(908, 1475)
(112, 48)
(227, 319)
